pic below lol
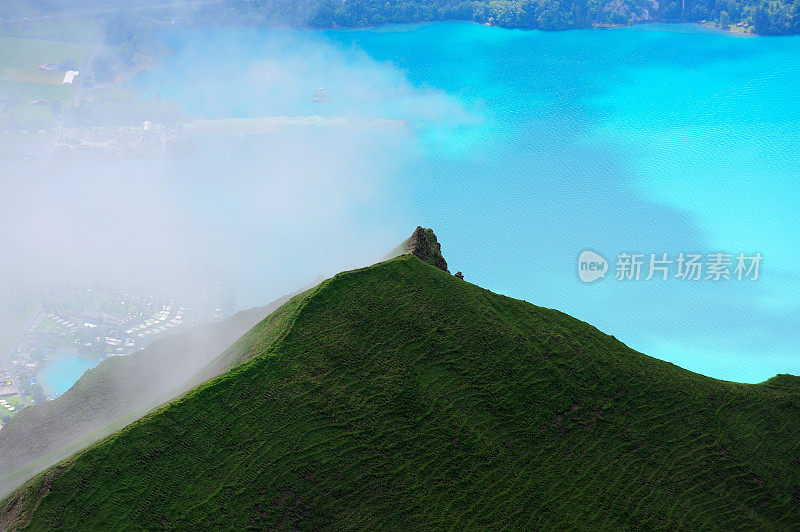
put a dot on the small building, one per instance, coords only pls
(70, 76)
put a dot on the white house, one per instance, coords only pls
(70, 76)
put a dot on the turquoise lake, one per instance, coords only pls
(524, 148)
(62, 369)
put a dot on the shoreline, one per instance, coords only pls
(737, 32)
(50, 383)
(732, 30)
(665, 25)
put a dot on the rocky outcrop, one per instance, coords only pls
(423, 245)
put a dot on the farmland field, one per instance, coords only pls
(21, 80)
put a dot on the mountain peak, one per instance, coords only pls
(423, 245)
(447, 378)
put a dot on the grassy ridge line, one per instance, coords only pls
(256, 342)
(402, 397)
(261, 336)
(119, 388)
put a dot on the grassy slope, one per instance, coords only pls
(402, 397)
(119, 390)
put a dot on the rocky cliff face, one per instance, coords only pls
(423, 245)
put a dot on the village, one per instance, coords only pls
(58, 98)
(89, 325)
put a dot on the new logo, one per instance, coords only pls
(591, 266)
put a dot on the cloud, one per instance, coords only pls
(270, 211)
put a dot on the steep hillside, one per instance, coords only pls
(118, 391)
(398, 396)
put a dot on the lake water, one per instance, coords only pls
(62, 369)
(524, 148)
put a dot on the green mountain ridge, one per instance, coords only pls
(118, 391)
(398, 396)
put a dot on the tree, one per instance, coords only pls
(761, 18)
